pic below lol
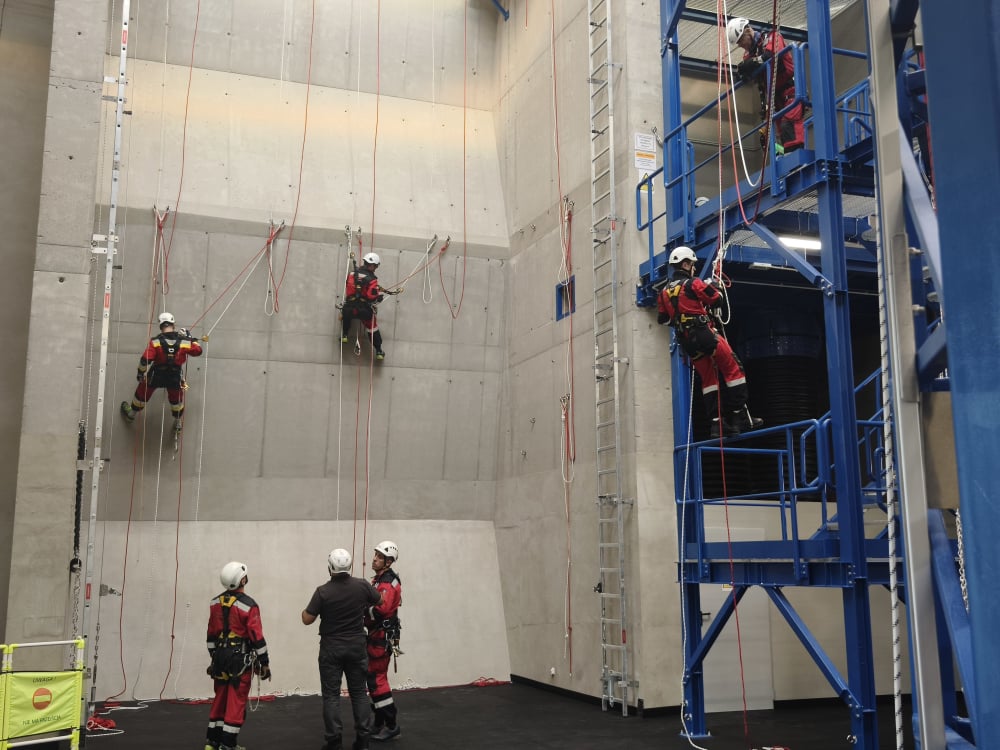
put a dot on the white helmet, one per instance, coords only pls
(681, 254)
(372, 258)
(735, 29)
(166, 317)
(232, 575)
(339, 562)
(388, 549)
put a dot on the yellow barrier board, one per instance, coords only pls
(37, 702)
(3, 709)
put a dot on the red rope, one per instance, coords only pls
(378, 103)
(465, 216)
(302, 158)
(180, 182)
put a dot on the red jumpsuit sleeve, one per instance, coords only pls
(706, 293)
(214, 625)
(195, 350)
(255, 634)
(371, 289)
(392, 597)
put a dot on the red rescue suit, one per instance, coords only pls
(360, 297)
(382, 624)
(791, 132)
(161, 366)
(684, 303)
(237, 647)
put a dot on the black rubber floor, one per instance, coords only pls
(493, 717)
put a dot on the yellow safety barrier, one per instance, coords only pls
(36, 703)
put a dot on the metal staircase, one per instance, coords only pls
(615, 680)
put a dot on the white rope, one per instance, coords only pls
(682, 556)
(890, 498)
(237, 294)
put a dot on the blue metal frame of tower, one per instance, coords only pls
(839, 160)
(964, 131)
(838, 555)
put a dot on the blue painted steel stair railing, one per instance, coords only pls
(791, 560)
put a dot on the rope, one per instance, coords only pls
(891, 501)
(180, 182)
(682, 556)
(302, 157)
(454, 310)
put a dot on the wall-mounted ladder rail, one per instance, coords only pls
(615, 678)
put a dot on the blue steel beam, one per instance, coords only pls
(801, 630)
(857, 607)
(949, 592)
(715, 628)
(964, 131)
(503, 11)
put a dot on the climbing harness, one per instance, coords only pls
(231, 657)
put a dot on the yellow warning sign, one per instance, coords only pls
(36, 702)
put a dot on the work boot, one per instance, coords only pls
(714, 431)
(127, 411)
(379, 354)
(386, 733)
(741, 421)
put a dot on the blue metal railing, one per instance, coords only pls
(855, 123)
(790, 450)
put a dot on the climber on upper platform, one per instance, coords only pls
(161, 366)
(685, 304)
(759, 47)
(362, 294)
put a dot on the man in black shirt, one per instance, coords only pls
(341, 603)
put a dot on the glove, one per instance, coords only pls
(263, 670)
(140, 376)
(184, 333)
(748, 69)
(209, 672)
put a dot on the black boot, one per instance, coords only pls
(741, 421)
(714, 430)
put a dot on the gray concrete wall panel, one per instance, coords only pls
(25, 46)
(422, 47)
(284, 570)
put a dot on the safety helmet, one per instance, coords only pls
(166, 317)
(681, 254)
(388, 549)
(735, 29)
(339, 561)
(232, 575)
(372, 258)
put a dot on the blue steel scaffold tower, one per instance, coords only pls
(864, 187)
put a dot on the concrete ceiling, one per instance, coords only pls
(412, 49)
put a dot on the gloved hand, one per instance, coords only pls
(264, 670)
(748, 69)
(140, 376)
(208, 671)
(379, 298)
(184, 333)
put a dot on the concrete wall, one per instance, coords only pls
(25, 45)
(460, 459)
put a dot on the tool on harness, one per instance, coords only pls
(231, 657)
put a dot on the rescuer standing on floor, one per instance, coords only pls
(237, 647)
(383, 639)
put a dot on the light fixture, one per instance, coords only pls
(801, 243)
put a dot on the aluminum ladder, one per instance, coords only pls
(615, 682)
